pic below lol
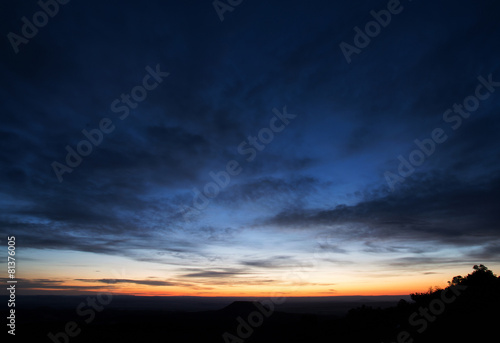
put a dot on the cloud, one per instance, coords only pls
(274, 262)
(270, 191)
(324, 173)
(48, 284)
(137, 282)
(224, 273)
(430, 208)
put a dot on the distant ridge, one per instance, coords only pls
(239, 307)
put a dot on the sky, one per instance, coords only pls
(249, 148)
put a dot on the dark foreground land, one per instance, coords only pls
(466, 311)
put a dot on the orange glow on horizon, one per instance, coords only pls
(368, 290)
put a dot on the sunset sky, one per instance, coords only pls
(294, 146)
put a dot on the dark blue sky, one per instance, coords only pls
(316, 180)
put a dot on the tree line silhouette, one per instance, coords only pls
(468, 310)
